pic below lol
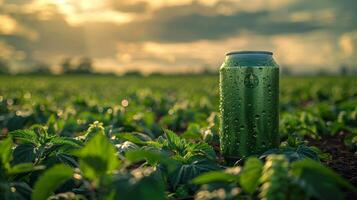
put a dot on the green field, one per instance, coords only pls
(98, 137)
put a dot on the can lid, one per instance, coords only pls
(249, 52)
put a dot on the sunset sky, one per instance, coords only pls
(178, 35)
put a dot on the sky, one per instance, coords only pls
(178, 35)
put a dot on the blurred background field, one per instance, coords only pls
(28, 100)
(318, 111)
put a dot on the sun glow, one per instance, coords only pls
(60, 1)
(80, 11)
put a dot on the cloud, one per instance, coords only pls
(130, 7)
(198, 21)
(191, 27)
(178, 35)
(9, 26)
(348, 44)
(17, 1)
(315, 49)
(43, 38)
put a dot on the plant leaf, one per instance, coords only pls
(193, 132)
(174, 142)
(319, 171)
(131, 138)
(24, 167)
(152, 157)
(98, 157)
(66, 141)
(192, 168)
(67, 159)
(215, 176)
(294, 154)
(145, 187)
(249, 178)
(6, 156)
(25, 136)
(201, 149)
(15, 190)
(24, 153)
(50, 180)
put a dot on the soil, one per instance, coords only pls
(343, 160)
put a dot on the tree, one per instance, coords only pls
(4, 67)
(66, 65)
(344, 70)
(286, 70)
(85, 66)
(41, 68)
(133, 73)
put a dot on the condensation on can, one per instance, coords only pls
(249, 103)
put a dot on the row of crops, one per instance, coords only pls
(98, 137)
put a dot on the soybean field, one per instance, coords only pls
(157, 137)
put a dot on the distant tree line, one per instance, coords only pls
(84, 65)
(4, 67)
(67, 66)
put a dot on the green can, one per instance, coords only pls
(249, 103)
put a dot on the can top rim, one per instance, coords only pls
(249, 52)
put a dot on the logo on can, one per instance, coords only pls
(251, 80)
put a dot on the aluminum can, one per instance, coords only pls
(249, 104)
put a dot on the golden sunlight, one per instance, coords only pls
(80, 11)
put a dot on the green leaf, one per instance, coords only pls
(200, 149)
(24, 153)
(50, 180)
(15, 190)
(174, 141)
(130, 137)
(319, 186)
(275, 178)
(51, 124)
(145, 185)
(193, 132)
(67, 159)
(192, 168)
(24, 167)
(66, 141)
(215, 176)
(302, 169)
(25, 136)
(148, 188)
(98, 157)
(249, 178)
(151, 157)
(6, 152)
(126, 146)
(293, 154)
